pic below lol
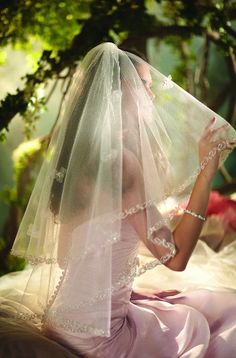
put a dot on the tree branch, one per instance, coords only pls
(96, 29)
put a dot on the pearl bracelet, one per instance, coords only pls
(190, 212)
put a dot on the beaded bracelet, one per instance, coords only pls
(195, 214)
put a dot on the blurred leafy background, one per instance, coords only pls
(41, 43)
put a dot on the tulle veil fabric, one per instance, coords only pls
(76, 212)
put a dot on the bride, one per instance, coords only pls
(129, 150)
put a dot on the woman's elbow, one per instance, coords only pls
(176, 264)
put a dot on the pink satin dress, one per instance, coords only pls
(199, 323)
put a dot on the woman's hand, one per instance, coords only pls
(152, 294)
(210, 147)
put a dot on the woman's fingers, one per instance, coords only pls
(168, 293)
(210, 133)
(210, 130)
(230, 144)
(223, 145)
(219, 129)
(209, 127)
(210, 124)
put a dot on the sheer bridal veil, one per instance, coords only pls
(121, 117)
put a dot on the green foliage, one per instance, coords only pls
(3, 57)
(26, 161)
(25, 156)
(55, 23)
(36, 105)
(11, 263)
(67, 29)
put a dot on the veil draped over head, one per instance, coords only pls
(116, 133)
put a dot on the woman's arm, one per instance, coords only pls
(187, 231)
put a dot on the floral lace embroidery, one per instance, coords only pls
(166, 244)
(29, 316)
(163, 259)
(39, 260)
(60, 175)
(53, 296)
(127, 275)
(109, 157)
(134, 209)
(167, 83)
(115, 237)
(158, 225)
(221, 146)
(125, 278)
(148, 266)
(152, 264)
(71, 325)
(74, 326)
(160, 241)
(36, 260)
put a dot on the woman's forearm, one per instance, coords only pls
(188, 230)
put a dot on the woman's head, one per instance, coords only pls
(139, 60)
(105, 72)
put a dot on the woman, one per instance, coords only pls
(130, 149)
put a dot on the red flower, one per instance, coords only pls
(223, 207)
